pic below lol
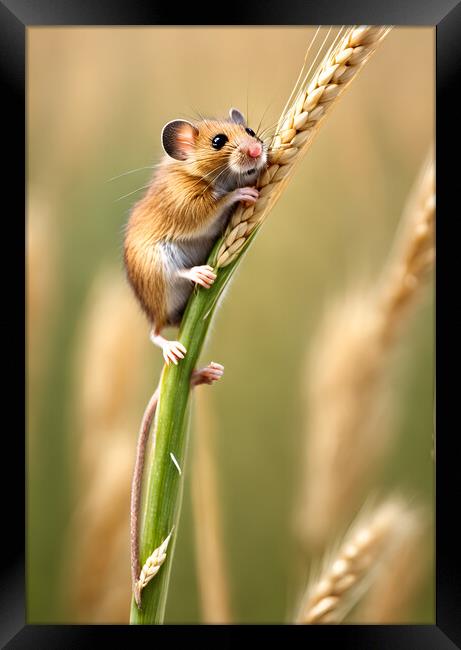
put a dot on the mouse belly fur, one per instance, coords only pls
(152, 268)
(178, 255)
(184, 254)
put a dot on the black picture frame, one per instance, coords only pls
(15, 17)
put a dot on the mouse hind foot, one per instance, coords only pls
(173, 351)
(208, 375)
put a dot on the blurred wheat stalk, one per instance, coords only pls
(110, 373)
(211, 570)
(369, 556)
(348, 428)
(42, 260)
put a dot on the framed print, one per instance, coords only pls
(230, 333)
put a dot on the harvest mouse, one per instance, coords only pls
(208, 168)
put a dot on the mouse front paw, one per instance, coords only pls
(248, 195)
(203, 275)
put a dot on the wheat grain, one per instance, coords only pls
(296, 130)
(349, 573)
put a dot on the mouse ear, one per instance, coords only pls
(178, 138)
(236, 116)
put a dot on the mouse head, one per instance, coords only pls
(225, 151)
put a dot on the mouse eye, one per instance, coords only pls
(250, 132)
(219, 141)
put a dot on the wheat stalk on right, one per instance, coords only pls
(367, 549)
(348, 425)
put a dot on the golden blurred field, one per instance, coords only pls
(97, 100)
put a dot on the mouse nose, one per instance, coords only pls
(254, 149)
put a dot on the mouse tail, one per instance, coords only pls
(136, 492)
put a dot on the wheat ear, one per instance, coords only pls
(393, 592)
(297, 128)
(347, 576)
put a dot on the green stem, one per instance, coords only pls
(162, 482)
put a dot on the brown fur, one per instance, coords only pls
(181, 203)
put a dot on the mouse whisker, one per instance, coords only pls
(214, 171)
(143, 187)
(198, 114)
(213, 180)
(225, 171)
(131, 171)
(248, 92)
(262, 118)
(267, 129)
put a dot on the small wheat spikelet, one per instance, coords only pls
(151, 567)
(297, 127)
(349, 572)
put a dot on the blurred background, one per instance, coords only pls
(97, 101)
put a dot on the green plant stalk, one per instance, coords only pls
(163, 485)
